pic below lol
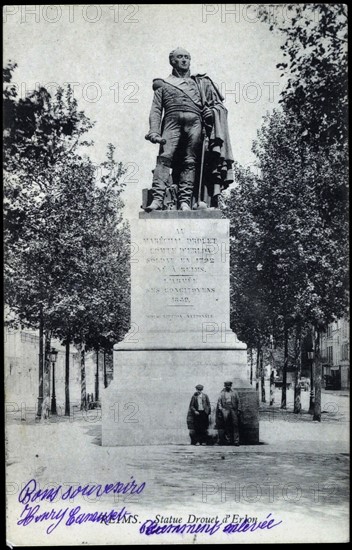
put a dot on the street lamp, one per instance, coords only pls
(311, 397)
(53, 357)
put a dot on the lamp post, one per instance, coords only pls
(311, 396)
(53, 357)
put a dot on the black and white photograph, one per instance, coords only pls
(176, 274)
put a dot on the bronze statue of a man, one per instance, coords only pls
(189, 121)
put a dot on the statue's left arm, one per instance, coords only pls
(212, 94)
(212, 100)
(220, 150)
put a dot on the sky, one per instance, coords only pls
(111, 53)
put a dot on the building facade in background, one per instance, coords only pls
(335, 351)
(21, 360)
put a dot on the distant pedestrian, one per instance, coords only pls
(198, 417)
(228, 411)
(45, 409)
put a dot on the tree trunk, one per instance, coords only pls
(257, 370)
(312, 389)
(284, 370)
(297, 399)
(104, 367)
(83, 379)
(46, 373)
(67, 378)
(272, 383)
(262, 377)
(272, 388)
(251, 372)
(317, 377)
(41, 367)
(97, 378)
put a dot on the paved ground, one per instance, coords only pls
(299, 474)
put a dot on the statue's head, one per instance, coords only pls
(180, 59)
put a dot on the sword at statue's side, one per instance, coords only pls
(201, 204)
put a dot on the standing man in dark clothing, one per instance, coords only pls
(198, 417)
(227, 415)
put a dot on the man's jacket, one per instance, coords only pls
(205, 401)
(193, 406)
(234, 403)
(170, 97)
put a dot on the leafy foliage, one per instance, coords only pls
(66, 246)
(316, 50)
(290, 222)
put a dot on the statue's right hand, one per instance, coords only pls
(154, 137)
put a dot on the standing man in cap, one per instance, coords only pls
(227, 415)
(185, 108)
(198, 417)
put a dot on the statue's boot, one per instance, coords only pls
(186, 186)
(154, 205)
(160, 179)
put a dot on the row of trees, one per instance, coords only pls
(289, 221)
(66, 245)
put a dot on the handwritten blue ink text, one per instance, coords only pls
(152, 527)
(31, 493)
(72, 516)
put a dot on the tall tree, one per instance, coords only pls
(297, 204)
(315, 99)
(66, 258)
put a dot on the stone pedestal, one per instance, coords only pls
(180, 334)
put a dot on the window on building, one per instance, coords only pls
(329, 353)
(27, 337)
(9, 330)
(345, 352)
(329, 331)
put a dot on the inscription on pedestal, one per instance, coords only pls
(185, 274)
